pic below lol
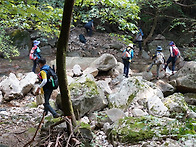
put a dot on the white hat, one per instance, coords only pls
(130, 45)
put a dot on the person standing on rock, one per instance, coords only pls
(138, 38)
(158, 59)
(35, 54)
(127, 56)
(174, 53)
(89, 28)
(45, 87)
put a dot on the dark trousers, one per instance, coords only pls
(173, 60)
(47, 107)
(34, 65)
(89, 30)
(126, 67)
(140, 45)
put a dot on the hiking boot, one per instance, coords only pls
(56, 116)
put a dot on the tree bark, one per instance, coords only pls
(152, 30)
(61, 59)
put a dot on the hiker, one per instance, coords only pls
(174, 53)
(45, 87)
(138, 38)
(158, 59)
(35, 54)
(127, 56)
(89, 28)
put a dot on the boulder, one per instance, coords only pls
(1, 97)
(185, 78)
(91, 70)
(28, 82)
(11, 88)
(115, 114)
(190, 98)
(165, 87)
(136, 90)
(176, 104)
(77, 71)
(105, 62)
(86, 97)
(104, 86)
(138, 112)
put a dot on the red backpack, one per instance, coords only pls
(32, 53)
(175, 50)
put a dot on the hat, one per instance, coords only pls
(171, 43)
(130, 45)
(35, 42)
(159, 48)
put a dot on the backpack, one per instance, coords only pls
(52, 79)
(32, 53)
(125, 55)
(175, 50)
(82, 38)
(159, 58)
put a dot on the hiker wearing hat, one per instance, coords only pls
(158, 59)
(35, 54)
(174, 53)
(127, 56)
(89, 27)
(138, 38)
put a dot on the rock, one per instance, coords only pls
(134, 89)
(86, 97)
(145, 55)
(147, 75)
(166, 88)
(105, 62)
(185, 78)
(11, 88)
(190, 98)
(116, 46)
(192, 115)
(90, 70)
(104, 86)
(176, 103)
(77, 71)
(138, 112)
(46, 50)
(28, 82)
(1, 97)
(159, 37)
(115, 114)
(85, 120)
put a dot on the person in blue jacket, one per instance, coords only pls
(138, 38)
(45, 87)
(127, 56)
(89, 28)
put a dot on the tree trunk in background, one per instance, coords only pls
(61, 59)
(152, 30)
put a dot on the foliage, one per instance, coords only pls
(131, 129)
(123, 13)
(7, 48)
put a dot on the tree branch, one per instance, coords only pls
(183, 4)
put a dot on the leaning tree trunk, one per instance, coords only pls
(61, 59)
(152, 30)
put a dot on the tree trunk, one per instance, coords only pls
(61, 59)
(152, 30)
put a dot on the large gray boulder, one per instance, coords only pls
(185, 78)
(165, 87)
(86, 97)
(134, 90)
(105, 62)
(10, 87)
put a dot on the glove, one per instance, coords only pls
(129, 60)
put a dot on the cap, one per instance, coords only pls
(159, 48)
(171, 43)
(35, 42)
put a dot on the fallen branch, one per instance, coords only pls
(39, 126)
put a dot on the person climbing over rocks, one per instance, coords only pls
(45, 87)
(174, 53)
(138, 38)
(127, 56)
(89, 28)
(158, 59)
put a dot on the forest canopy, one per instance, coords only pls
(118, 15)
